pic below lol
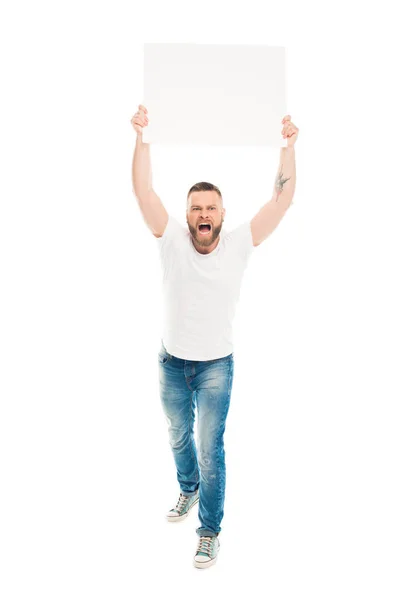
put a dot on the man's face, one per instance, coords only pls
(205, 207)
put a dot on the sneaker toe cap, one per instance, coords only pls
(201, 558)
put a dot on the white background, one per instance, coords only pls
(312, 436)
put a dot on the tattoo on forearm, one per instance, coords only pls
(280, 182)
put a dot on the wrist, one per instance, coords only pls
(139, 140)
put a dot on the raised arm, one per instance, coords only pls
(270, 215)
(153, 211)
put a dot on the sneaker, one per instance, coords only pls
(183, 507)
(207, 550)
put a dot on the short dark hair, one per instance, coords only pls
(204, 186)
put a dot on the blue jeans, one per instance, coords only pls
(207, 384)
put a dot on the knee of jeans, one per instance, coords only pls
(210, 441)
(177, 438)
(207, 459)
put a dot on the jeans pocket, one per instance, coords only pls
(163, 357)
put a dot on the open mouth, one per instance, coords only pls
(204, 228)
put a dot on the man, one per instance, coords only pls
(202, 271)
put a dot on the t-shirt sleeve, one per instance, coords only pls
(172, 236)
(242, 240)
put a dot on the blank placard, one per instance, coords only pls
(215, 94)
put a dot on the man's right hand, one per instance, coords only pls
(140, 120)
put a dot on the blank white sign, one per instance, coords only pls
(215, 94)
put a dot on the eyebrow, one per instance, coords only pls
(198, 206)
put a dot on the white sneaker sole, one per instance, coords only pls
(176, 519)
(204, 565)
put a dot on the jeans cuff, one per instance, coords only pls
(205, 531)
(189, 493)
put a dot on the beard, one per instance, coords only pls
(205, 240)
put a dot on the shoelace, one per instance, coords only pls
(181, 502)
(205, 544)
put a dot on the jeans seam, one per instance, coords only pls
(224, 421)
(190, 433)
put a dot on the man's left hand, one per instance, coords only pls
(289, 131)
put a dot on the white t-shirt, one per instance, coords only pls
(201, 290)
